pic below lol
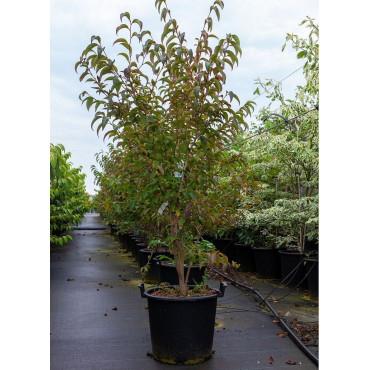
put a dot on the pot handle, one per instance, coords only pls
(222, 289)
(141, 287)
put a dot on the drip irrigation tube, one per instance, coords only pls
(311, 356)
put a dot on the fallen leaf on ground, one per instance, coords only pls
(290, 362)
(271, 360)
(106, 284)
(275, 320)
(281, 335)
(100, 283)
(126, 279)
(114, 308)
(70, 279)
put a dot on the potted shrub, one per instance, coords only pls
(68, 197)
(149, 260)
(285, 161)
(165, 106)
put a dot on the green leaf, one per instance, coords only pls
(163, 14)
(217, 11)
(89, 102)
(231, 94)
(209, 24)
(121, 27)
(126, 14)
(138, 22)
(192, 195)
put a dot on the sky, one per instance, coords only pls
(260, 25)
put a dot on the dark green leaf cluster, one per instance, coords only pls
(68, 198)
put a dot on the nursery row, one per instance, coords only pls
(68, 197)
(293, 269)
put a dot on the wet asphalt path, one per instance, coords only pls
(99, 321)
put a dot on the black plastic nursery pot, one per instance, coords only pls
(267, 262)
(182, 329)
(245, 257)
(292, 268)
(123, 238)
(134, 245)
(113, 229)
(138, 247)
(312, 268)
(128, 242)
(168, 273)
(225, 246)
(152, 275)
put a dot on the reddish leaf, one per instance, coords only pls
(281, 335)
(290, 362)
(270, 361)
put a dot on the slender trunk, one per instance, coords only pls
(179, 263)
(179, 254)
(188, 273)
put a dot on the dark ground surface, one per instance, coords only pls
(92, 275)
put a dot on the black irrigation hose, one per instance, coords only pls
(310, 355)
(294, 272)
(307, 273)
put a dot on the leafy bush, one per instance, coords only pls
(68, 198)
(285, 160)
(170, 118)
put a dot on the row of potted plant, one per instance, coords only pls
(292, 269)
(68, 197)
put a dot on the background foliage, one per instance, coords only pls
(68, 198)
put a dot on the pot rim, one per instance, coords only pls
(291, 251)
(146, 294)
(312, 259)
(265, 248)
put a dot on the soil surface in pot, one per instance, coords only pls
(198, 291)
